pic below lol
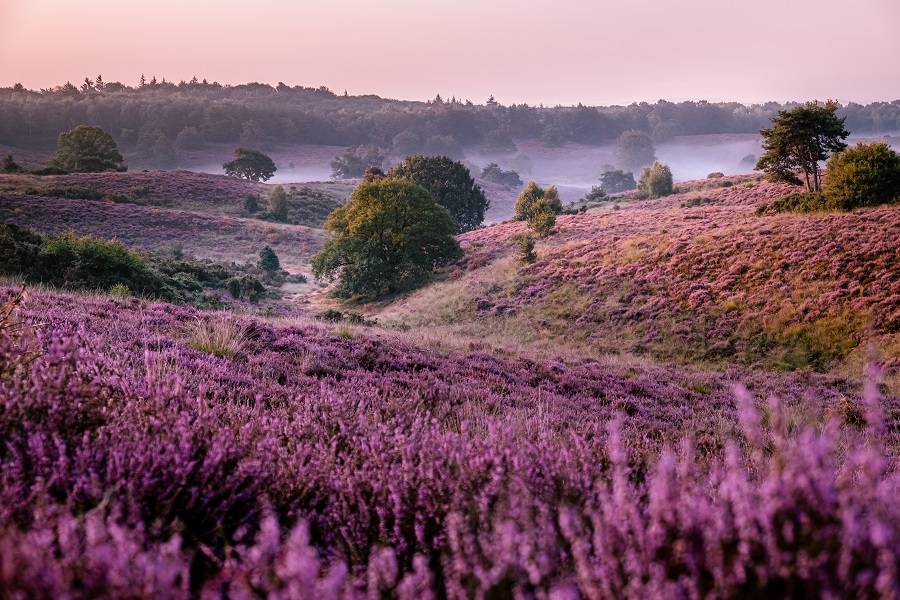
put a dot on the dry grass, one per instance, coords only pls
(221, 335)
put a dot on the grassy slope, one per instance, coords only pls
(714, 283)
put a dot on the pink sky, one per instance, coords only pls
(597, 52)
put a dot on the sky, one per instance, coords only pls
(596, 52)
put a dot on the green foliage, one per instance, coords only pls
(542, 218)
(524, 248)
(10, 165)
(233, 285)
(715, 175)
(634, 149)
(278, 203)
(450, 185)
(801, 202)
(864, 175)
(87, 149)
(250, 164)
(389, 237)
(268, 260)
(656, 181)
(799, 140)
(597, 194)
(120, 290)
(528, 201)
(251, 204)
(493, 172)
(616, 181)
(355, 160)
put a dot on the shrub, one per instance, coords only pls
(715, 175)
(10, 165)
(268, 260)
(120, 290)
(278, 204)
(801, 202)
(251, 204)
(656, 181)
(597, 194)
(524, 248)
(527, 202)
(508, 179)
(864, 175)
(542, 218)
(233, 285)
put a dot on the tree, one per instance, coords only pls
(542, 218)
(524, 248)
(450, 185)
(493, 172)
(634, 149)
(278, 203)
(87, 149)
(528, 201)
(656, 181)
(250, 164)
(864, 175)
(389, 237)
(10, 165)
(617, 181)
(268, 260)
(355, 160)
(799, 140)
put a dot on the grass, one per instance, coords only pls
(221, 336)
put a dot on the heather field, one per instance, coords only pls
(680, 398)
(157, 451)
(153, 228)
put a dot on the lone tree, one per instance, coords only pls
(534, 199)
(450, 185)
(388, 237)
(87, 149)
(268, 260)
(863, 175)
(799, 140)
(278, 203)
(634, 149)
(250, 164)
(656, 181)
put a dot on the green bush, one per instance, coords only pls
(801, 202)
(864, 175)
(656, 181)
(524, 248)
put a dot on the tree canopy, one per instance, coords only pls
(450, 184)
(656, 181)
(389, 237)
(864, 175)
(799, 140)
(250, 164)
(534, 199)
(617, 181)
(86, 149)
(634, 149)
(355, 160)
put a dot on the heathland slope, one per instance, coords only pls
(694, 276)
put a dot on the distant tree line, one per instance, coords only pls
(155, 114)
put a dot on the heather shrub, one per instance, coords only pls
(864, 175)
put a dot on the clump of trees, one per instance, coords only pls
(656, 181)
(534, 198)
(616, 181)
(355, 160)
(389, 237)
(87, 149)
(493, 172)
(450, 184)
(250, 164)
(634, 149)
(799, 140)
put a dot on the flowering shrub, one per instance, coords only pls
(311, 466)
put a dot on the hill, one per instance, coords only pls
(696, 276)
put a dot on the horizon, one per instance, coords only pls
(597, 55)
